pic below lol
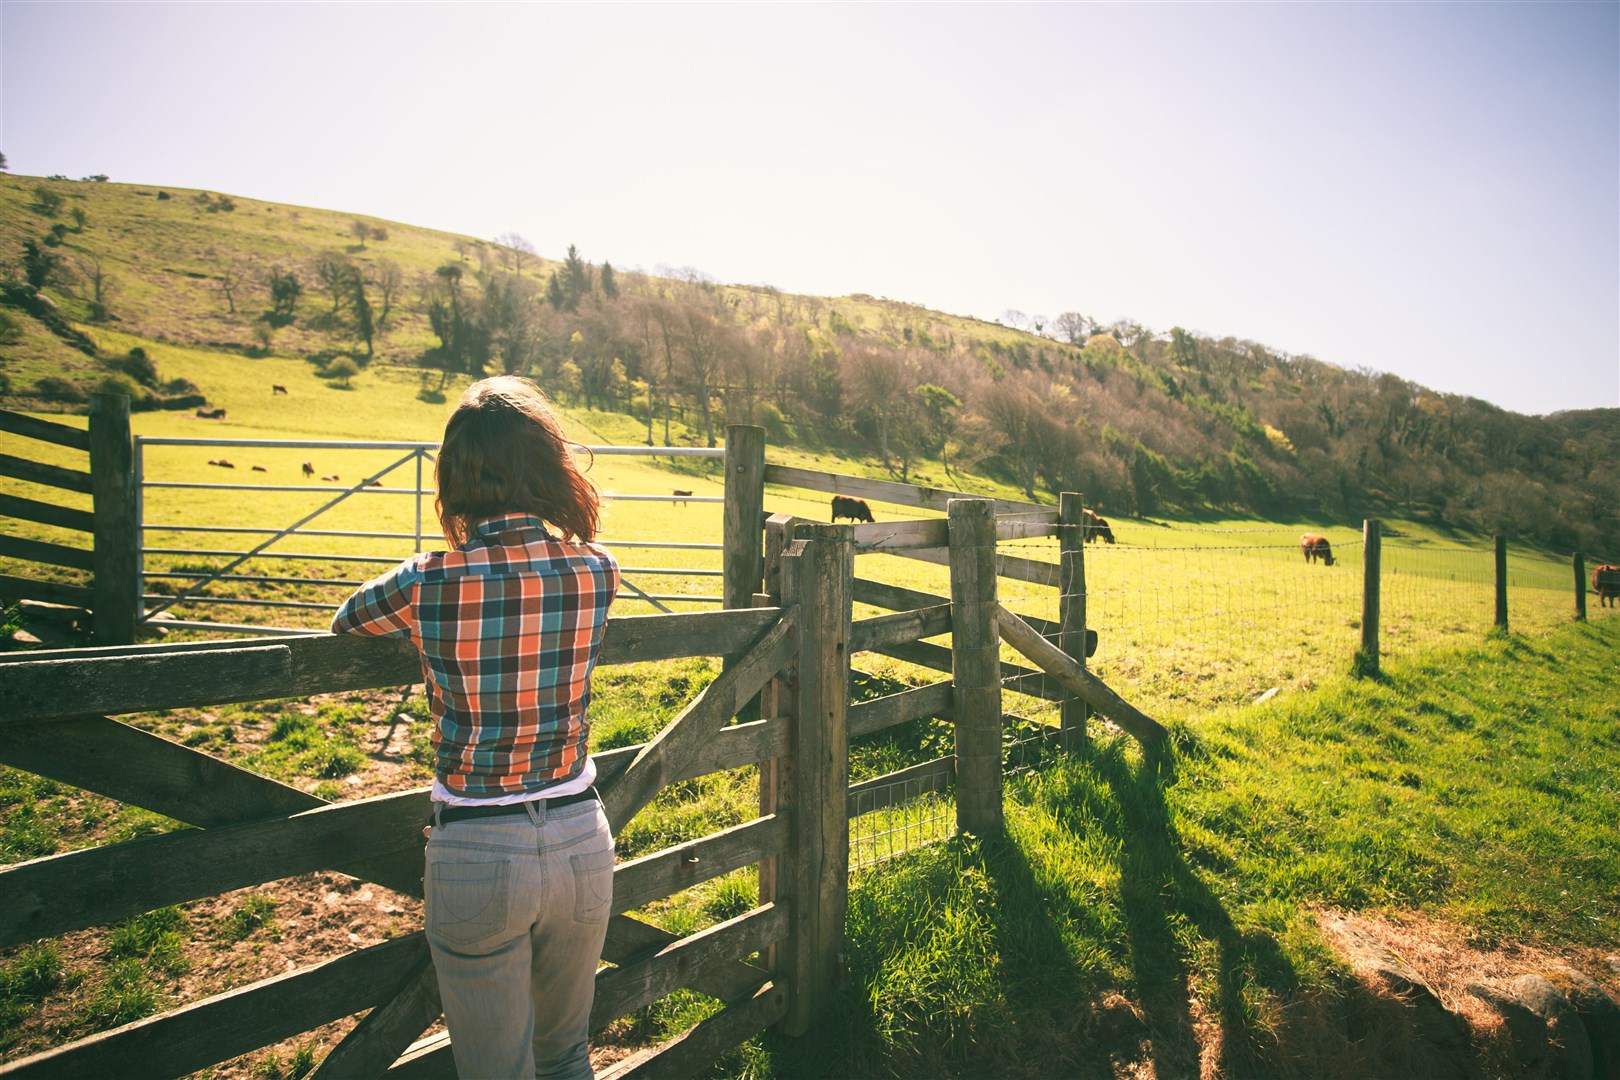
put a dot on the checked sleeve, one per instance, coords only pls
(382, 607)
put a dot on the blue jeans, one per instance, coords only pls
(517, 910)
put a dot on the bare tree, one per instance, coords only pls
(360, 231)
(516, 251)
(389, 279)
(333, 272)
(229, 280)
(704, 342)
(1072, 327)
(102, 288)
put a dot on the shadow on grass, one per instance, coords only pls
(1162, 901)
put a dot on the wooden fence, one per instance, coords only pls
(112, 596)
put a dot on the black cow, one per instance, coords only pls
(855, 509)
(1097, 528)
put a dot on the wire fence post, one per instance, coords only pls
(1501, 583)
(115, 558)
(1072, 609)
(975, 665)
(1371, 550)
(1580, 587)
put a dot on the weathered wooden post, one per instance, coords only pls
(116, 574)
(1371, 551)
(975, 665)
(1580, 587)
(1072, 608)
(1501, 582)
(741, 533)
(818, 576)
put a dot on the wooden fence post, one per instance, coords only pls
(742, 532)
(1072, 608)
(818, 575)
(975, 665)
(116, 573)
(1501, 582)
(1371, 551)
(1580, 587)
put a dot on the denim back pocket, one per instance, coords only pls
(593, 885)
(467, 902)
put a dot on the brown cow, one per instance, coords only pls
(331, 479)
(1097, 528)
(277, 388)
(680, 496)
(309, 470)
(1316, 547)
(211, 414)
(854, 509)
(221, 462)
(1606, 583)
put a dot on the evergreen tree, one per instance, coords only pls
(610, 286)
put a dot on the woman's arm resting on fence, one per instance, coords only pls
(382, 606)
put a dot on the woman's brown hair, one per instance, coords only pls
(504, 453)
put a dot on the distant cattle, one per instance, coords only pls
(221, 462)
(1097, 528)
(1316, 547)
(211, 414)
(260, 468)
(309, 470)
(373, 483)
(1606, 583)
(331, 479)
(855, 509)
(277, 388)
(680, 496)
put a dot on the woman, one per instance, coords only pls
(509, 621)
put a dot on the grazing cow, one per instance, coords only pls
(1097, 528)
(309, 470)
(277, 388)
(681, 497)
(331, 479)
(373, 483)
(260, 468)
(855, 509)
(211, 414)
(1606, 583)
(1316, 547)
(221, 462)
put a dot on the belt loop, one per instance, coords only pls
(536, 809)
(437, 806)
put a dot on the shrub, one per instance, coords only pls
(5, 383)
(162, 195)
(138, 366)
(54, 388)
(120, 383)
(341, 371)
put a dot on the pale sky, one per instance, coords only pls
(1429, 189)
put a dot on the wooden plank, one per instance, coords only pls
(51, 592)
(373, 1045)
(47, 689)
(44, 430)
(976, 667)
(631, 940)
(901, 627)
(117, 604)
(928, 655)
(882, 792)
(179, 782)
(893, 597)
(1501, 582)
(1028, 528)
(821, 570)
(1011, 567)
(683, 737)
(900, 535)
(626, 988)
(121, 880)
(1579, 565)
(45, 513)
(1371, 557)
(664, 873)
(743, 558)
(688, 1053)
(196, 1036)
(429, 1058)
(1096, 692)
(48, 475)
(860, 487)
(636, 638)
(870, 717)
(43, 551)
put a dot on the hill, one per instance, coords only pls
(1141, 422)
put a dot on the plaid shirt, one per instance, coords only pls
(509, 626)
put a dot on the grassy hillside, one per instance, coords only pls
(1144, 423)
